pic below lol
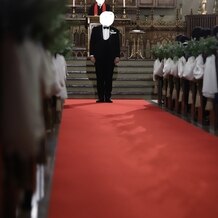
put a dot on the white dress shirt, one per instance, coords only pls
(106, 32)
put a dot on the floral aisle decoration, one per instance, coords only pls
(177, 52)
(191, 60)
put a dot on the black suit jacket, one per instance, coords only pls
(91, 9)
(105, 49)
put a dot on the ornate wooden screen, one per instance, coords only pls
(207, 20)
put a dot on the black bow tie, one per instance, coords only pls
(105, 27)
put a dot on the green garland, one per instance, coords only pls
(205, 46)
(40, 20)
(51, 28)
(61, 37)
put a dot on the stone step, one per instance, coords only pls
(127, 89)
(121, 76)
(126, 63)
(91, 69)
(118, 95)
(119, 82)
(115, 84)
(132, 79)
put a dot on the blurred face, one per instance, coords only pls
(100, 2)
(106, 18)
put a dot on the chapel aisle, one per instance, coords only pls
(131, 159)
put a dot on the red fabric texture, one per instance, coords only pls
(130, 159)
(96, 8)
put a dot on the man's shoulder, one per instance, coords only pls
(114, 29)
(97, 27)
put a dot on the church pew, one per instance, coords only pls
(159, 90)
(185, 94)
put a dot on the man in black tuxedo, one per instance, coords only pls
(98, 7)
(105, 54)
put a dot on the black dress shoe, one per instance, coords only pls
(100, 101)
(108, 100)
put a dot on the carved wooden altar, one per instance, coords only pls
(153, 34)
(156, 31)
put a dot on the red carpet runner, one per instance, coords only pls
(130, 159)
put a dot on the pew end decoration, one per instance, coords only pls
(176, 50)
(165, 55)
(186, 74)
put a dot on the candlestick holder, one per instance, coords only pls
(85, 8)
(124, 13)
(177, 17)
(73, 11)
(152, 17)
(113, 6)
(215, 7)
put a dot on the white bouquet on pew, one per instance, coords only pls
(198, 70)
(174, 68)
(210, 86)
(167, 56)
(182, 52)
(167, 67)
(181, 65)
(188, 68)
(158, 68)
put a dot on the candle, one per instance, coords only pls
(124, 3)
(73, 3)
